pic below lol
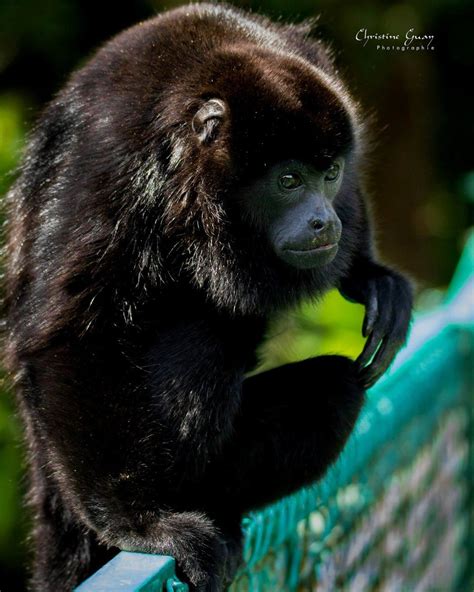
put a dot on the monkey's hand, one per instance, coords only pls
(387, 297)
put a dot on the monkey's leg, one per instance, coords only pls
(206, 557)
(293, 423)
(65, 551)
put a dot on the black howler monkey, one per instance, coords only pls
(198, 174)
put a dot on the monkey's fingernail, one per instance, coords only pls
(367, 327)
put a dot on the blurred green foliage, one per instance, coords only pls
(332, 325)
(12, 134)
(12, 523)
(421, 163)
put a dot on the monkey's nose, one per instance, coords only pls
(318, 224)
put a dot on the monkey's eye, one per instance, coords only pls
(290, 181)
(333, 172)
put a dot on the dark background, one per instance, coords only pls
(422, 183)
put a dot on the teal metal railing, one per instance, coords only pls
(397, 510)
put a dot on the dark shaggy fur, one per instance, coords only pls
(137, 294)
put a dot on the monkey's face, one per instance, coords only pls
(293, 204)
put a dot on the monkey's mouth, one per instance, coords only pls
(310, 256)
(312, 248)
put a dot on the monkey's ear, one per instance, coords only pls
(208, 119)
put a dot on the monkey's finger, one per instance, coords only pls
(391, 345)
(371, 310)
(368, 376)
(371, 373)
(381, 327)
(370, 347)
(385, 354)
(394, 337)
(380, 364)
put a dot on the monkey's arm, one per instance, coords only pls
(388, 298)
(293, 423)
